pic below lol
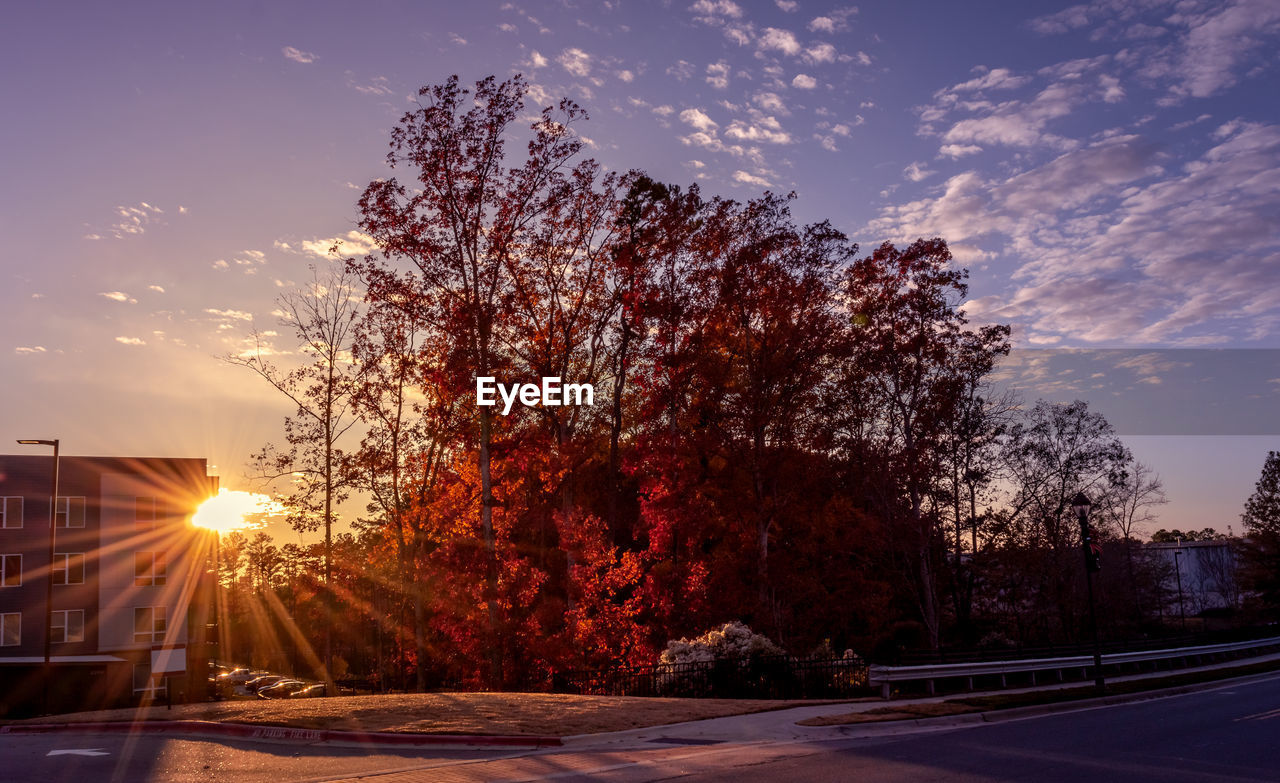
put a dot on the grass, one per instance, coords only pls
(527, 714)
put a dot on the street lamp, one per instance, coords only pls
(1177, 568)
(1080, 504)
(48, 595)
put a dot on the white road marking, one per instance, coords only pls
(78, 752)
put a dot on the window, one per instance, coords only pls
(11, 511)
(148, 624)
(144, 513)
(149, 568)
(10, 629)
(67, 625)
(143, 683)
(70, 512)
(68, 568)
(10, 570)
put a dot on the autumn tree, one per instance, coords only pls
(461, 227)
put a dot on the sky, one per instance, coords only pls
(1108, 172)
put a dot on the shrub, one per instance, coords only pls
(730, 642)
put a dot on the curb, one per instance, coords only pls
(284, 733)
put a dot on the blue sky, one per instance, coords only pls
(1109, 172)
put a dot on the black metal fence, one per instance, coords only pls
(775, 677)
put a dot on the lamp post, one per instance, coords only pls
(1080, 504)
(1177, 569)
(48, 595)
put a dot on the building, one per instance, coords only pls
(130, 586)
(1197, 576)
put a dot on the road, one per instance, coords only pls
(1231, 733)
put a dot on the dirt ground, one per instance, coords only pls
(535, 714)
(904, 712)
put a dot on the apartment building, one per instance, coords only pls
(130, 583)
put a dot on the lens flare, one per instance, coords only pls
(233, 509)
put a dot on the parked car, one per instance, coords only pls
(281, 689)
(236, 676)
(258, 683)
(308, 692)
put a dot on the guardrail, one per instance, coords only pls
(886, 676)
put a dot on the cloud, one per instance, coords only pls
(822, 24)
(770, 101)
(958, 150)
(457, 40)
(1111, 245)
(234, 315)
(916, 172)
(994, 79)
(1019, 123)
(681, 69)
(745, 178)
(131, 340)
(298, 56)
(820, 53)
(718, 75)
(711, 8)
(763, 129)
(576, 62)
(132, 221)
(536, 60)
(788, 6)
(697, 119)
(378, 86)
(804, 81)
(1193, 50)
(775, 39)
(25, 350)
(118, 296)
(353, 243)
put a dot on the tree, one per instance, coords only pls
(461, 228)
(413, 419)
(912, 359)
(322, 317)
(1261, 546)
(1134, 501)
(1262, 509)
(1056, 451)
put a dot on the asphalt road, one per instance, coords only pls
(1222, 735)
(117, 758)
(1228, 734)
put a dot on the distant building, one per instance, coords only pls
(1206, 572)
(130, 590)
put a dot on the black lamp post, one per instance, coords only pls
(1177, 569)
(1080, 504)
(48, 595)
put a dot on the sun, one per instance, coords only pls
(233, 509)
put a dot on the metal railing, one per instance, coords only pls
(1062, 668)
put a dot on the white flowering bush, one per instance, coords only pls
(730, 642)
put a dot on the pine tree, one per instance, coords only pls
(1262, 509)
